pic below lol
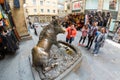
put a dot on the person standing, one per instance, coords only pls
(35, 31)
(84, 34)
(71, 33)
(99, 41)
(30, 24)
(91, 34)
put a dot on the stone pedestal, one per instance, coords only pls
(62, 61)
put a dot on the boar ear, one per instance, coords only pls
(55, 22)
(61, 20)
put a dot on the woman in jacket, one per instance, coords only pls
(99, 40)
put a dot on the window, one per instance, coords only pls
(34, 2)
(47, 3)
(48, 10)
(35, 10)
(42, 10)
(54, 4)
(53, 11)
(41, 2)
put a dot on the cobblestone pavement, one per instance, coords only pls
(105, 66)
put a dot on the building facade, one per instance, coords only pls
(41, 10)
(61, 11)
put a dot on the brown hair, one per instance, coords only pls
(85, 27)
(103, 29)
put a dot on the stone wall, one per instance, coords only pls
(19, 19)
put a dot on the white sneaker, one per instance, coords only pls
(95, 55)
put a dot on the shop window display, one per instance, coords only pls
(117, 35)
(77, 18)
(8, 35)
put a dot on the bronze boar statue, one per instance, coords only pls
(48, 37)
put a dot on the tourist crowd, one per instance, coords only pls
(92, 26)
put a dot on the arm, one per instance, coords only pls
(88, 24)
(95, 32)
(67, 29)
(102, 41)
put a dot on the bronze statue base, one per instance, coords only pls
(62, 60)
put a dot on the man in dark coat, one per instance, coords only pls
(91, 34)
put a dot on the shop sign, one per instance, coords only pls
(77, 5)
(112, 4)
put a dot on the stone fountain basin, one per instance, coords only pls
(67, 57)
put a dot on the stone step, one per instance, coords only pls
(72, 76)
(26, 37)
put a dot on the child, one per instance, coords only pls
(99, 40)
(84, 34)
(71, 33)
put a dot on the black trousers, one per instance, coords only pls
(83, 39)
(70, 40)
(90, 41)
(35, 31)
(2, 53)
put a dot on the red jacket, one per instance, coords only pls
(71, 32)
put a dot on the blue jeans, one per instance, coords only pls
(96, 48)
(70, 40)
